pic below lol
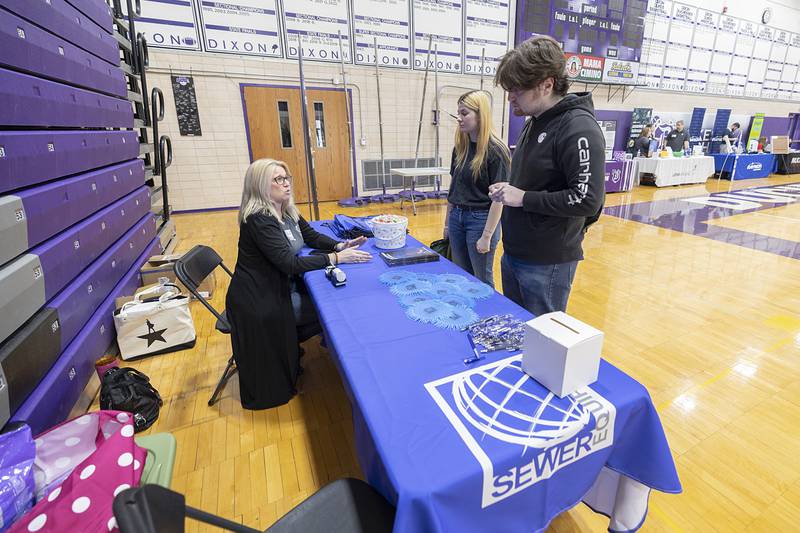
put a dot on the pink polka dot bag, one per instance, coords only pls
(80, 466)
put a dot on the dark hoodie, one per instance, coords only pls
(560, 162)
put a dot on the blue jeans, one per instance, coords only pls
(538, 288)
(464, 228)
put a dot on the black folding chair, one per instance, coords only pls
(191, 269)
(345, 506)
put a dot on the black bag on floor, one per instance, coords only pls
(127, 389)
(442, 247)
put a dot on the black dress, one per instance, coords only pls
(259, 308)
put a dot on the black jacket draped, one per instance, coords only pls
(259, 308)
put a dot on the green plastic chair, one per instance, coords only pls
(160, 460)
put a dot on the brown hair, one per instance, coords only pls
(531, 63)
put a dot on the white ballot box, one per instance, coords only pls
(561, 352)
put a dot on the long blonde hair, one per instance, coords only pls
(255, 194)
(478, 102)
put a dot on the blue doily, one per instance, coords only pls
(458, 300)
(411, 299)
(430, 311)
(442, 289)
(452, 278)
(393, 277)
(477, 290)
(457, 318)
(424, 276)
(410, 287)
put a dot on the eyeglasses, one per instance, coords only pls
(283, 180)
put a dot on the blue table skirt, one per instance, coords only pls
(424, 444)
(744, 166)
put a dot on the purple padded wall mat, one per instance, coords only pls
(25, 46)
(31, 101)
(65, 255)
(53, 207)
(60, 18)
(80, 298)
(97, 10)
(31, 157)
(58, 391)
(29, 353)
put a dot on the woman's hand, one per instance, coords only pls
(483, 244)
(352, 243)
(353, 255)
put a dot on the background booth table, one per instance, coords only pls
(481, 447)
(620, 175)
(787, 163)
(744, 166)
(414, 195)
(668, 171)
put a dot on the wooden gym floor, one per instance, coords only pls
(710, 328)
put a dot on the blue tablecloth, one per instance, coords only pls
(744, 166)
(482, 448)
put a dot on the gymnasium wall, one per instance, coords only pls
(208, 170)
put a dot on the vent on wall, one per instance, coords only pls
(372, 173)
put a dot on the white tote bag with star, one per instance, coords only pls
(155, 327)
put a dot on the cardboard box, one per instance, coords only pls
(561, 352)
(122, 300)
(780, 144)
(162, 266)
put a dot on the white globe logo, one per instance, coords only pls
(507, 404)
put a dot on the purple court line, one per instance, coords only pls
(678, 214)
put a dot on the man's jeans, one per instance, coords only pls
(464, 228)
(538, 288)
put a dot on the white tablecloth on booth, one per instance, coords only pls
(676, 170)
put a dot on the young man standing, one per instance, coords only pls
(556, 185)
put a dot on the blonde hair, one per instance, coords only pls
(255, 194)
(478, 102)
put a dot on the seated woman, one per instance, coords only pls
(267, 303)
(641, 147)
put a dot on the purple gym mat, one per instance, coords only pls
(29, 353)
(60, 388)
(31, 157)
(60, 18)
(65, 255)
(53, 207)
(27, 47)
(97, 10)
(31, 101)
(84, 294)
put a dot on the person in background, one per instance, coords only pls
(479, 159)
(733, 136)
(556, 186)
(678, 138)
(641, 147)
(267, 305)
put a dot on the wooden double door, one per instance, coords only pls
(275, 128)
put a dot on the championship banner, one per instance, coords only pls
(246, 27)
(169, 24)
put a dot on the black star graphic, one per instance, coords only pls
(153, 336)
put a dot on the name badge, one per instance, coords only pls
(289, 234)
